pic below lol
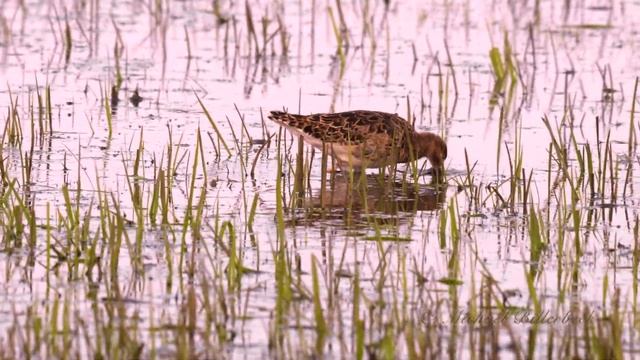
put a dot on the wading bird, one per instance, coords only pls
(366, 139)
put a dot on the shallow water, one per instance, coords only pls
(171, 291)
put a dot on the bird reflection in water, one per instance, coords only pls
(384, 199)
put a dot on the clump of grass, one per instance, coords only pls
(538, 244)
(108, 113)
(215, 128)
(505, 70)
(12, 132)
(340, 40)
(321, 325)
(282, 268)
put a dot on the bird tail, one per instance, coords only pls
(283, 117)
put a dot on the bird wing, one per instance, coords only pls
(346, 128)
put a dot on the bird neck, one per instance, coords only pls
(421, 143)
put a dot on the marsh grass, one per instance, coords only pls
(219, 137)
(163, 255)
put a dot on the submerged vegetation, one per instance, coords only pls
(180, 224)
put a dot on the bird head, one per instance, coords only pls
(432, 147)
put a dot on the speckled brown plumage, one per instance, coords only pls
(362, 139)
